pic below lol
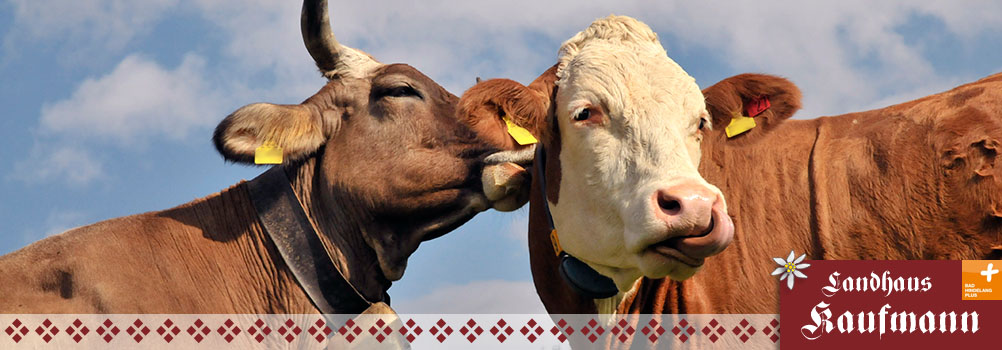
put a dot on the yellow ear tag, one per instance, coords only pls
(268, 153)
(739, 124)
(556, 242)
(520, 134)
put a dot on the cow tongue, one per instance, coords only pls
(712, 242)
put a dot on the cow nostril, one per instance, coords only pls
(670, 206)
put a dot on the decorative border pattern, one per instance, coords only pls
(387, 331)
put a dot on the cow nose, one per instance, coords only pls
(686, 208)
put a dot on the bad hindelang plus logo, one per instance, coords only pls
(979, 283)
(894, 303)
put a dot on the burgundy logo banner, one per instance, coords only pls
(890, 304)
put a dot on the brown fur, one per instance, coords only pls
(157, 262)
(527, 106)
(912, 181)
(376, 174)
(916, 180)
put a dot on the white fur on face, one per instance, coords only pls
(646, 140)
(353, 63)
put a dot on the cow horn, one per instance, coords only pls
(317, 35)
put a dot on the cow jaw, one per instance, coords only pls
(638, 141)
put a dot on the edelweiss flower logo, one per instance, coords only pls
(790, 268)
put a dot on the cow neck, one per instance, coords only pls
(311, 260)
(581, 277)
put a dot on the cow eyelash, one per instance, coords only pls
(399, 91)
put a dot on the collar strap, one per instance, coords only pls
(286, 223)
(581, 277)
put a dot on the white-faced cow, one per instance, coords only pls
(374, 163)
(617, 162)
(918, 180)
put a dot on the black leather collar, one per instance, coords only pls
(581, 277)
(286, 223)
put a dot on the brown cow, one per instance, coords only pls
(620, 144)
(916, 180)
(375, 163)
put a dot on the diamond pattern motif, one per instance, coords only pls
(653, 330)
(137, 330)
(592, 330)
(168, 330)
(259, 330)
(289, 330)
(441, 330)
(107, 330)
(772, 330)
(562, 330)
(350, 331)
(410, 330)
(47, 330)
(380, 330)
(198, 330)
(683, 330)
(623, 331)
(744, 330)
(319, 331)
(531, 330)
(501, 330)
(471, 330)
(77, 330)
(713, 330)
(228, 330)
(16, 330)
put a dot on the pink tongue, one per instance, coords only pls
(713, 242)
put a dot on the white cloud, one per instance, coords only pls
(477, 297)
(74, 166)
(844, 56)
(138, 99)
(108, 24)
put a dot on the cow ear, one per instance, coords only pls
(296, 129)
(746, 95)
(489, 102)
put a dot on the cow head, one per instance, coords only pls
(379, 150)
(621, 124)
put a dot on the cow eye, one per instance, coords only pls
(399, 91)
(583, 115)
(702, 123)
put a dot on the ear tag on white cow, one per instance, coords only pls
(268, 153)
(739, 124)
(557, 249)
(520, 134)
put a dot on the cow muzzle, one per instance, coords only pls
(695, 220)
(506, 180)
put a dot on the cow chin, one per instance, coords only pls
(394, 247)
(656, 265)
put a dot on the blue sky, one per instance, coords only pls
(110, 104)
